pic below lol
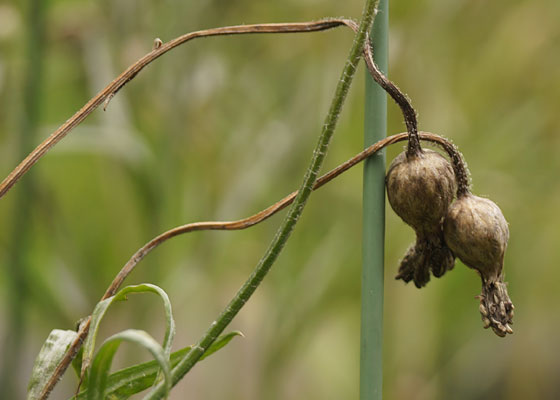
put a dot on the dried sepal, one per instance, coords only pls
(496, 308)
(428, 253)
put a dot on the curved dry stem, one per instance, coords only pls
(105, 95)
(231, 225)
(399, 97)
(273, 209)
(393, 90)
(462, 174)
(110, 90)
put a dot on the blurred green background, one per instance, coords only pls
(220, 128)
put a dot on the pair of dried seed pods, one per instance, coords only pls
(426, 191)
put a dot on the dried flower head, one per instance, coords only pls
(420, 187)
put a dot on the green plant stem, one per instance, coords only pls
(105, 95)
(283, 233)
(375, 128)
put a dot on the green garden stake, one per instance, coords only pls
(375, 128)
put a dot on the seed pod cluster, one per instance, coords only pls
(420, 188)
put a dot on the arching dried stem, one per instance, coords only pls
(160, 48)
(130, 73)
(233, 225)
(399, 97)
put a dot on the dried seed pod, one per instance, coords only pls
(477, 232)
(420, 188)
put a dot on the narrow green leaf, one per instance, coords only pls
(51, 353)
(222, 341)
(102, 307)
(100, 370)
(101, 365)
(128, 381)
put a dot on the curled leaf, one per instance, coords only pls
(102, 307)
(101, 365)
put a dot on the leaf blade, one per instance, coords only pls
(128, 381)
(100, 367)
(52, 351)
(221, 342)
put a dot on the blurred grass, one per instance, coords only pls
(19, 277)
(222, 127)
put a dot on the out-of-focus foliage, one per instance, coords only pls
(222, 127)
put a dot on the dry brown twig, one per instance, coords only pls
(159, 48)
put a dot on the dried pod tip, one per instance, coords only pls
(477, 232)
(496, 308)
(420, 188)
(429, 253)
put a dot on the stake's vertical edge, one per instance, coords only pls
(375, 128)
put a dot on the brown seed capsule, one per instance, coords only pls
(420, 188)
(477, 232)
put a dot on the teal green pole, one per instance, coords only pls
(375, 128)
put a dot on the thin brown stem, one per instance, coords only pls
(235, 225)
(462, 175)
(105, 95)
(393, 90)
(399, 97)
(130, 73)
(244, 223)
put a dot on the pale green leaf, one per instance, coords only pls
(51, 353)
